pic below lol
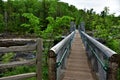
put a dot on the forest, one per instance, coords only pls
(50, 19)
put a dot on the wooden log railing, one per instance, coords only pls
(36, 45)
(104, 61)
(57, 57)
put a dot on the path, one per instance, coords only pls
(77, 65)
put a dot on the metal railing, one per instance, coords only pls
(58, 56)
(104, 61)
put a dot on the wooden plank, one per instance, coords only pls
(18, 63)
(39, 59)
(19, 77)
(23, 40)
(15, 42)
(29, 47)
(18, 39)
(77, 67)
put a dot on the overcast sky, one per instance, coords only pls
(97, 5)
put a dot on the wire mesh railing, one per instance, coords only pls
(104, 61)
(58, 55)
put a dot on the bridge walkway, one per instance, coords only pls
(77, 65)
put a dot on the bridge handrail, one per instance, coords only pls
(101, 57)
(58, 55)
(107, 51)
(60, 45)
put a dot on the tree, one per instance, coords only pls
(1, 23)
(53, 9)
(1, 7)
(32, 25)
(45, 9)
(105, 12)
(57, 27)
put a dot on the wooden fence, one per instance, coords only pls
(36, 45)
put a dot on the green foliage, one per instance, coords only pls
(118, 77)
(1, 23)
(20, 70)
(33, 78)
(13, 11)
(33, 24)
(101, 32)
(45, 72)
(1, 7)
(65, 21)
(7, 57)
(53, 8)
(110, 34)
(114, 45)
(57, 26)
(25, 69)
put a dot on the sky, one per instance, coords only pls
(97, 5)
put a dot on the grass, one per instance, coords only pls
(25, 69)
(118, 75)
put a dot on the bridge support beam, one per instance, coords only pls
(114, 66)
(52, 66)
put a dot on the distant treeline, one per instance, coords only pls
(47, 16)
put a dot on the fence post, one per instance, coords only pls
(39, 59)
(52, 66)
(114, 65)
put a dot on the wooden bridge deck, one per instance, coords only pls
(77, 66)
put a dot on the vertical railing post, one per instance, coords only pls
(82, 26)
(72, 26)
(52, 65)
(114, 65)
(39, 59)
